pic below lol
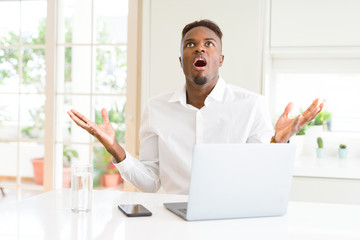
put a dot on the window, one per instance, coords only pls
(335, 80)
(91, 69)
(22, 90)
(91, 74)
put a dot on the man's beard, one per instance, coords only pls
(200, 80)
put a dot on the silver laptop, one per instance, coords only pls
(238, 181)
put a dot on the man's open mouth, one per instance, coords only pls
(200, 63)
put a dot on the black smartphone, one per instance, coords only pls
(134, 210)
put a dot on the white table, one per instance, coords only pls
(48, 216)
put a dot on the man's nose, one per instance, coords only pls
(200, 49)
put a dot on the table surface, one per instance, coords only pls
(48, 216)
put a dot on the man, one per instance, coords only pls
(205, 110)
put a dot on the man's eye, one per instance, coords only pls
(190, 44)
(209, 44)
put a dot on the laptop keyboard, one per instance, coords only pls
(183, 210)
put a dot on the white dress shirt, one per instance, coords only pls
(170, 128)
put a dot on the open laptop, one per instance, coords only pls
(238, 181)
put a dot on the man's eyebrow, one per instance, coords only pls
(189, 40)
(210, 39)
(192, 39)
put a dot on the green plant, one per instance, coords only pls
(342, 146)
(101, 159)
(38, 122)
(327, 116)
(68, 154)
(303, 130)
(321, 118)
(111, 169)
(117, 119)
(320, 142)
(33, 73)
(102, 164)
(32, 59)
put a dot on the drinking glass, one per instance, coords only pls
(81, 187)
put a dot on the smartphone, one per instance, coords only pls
(134, 210)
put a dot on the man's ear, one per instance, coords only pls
(180, 62)
(221, 60)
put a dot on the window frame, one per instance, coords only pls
(52, 167)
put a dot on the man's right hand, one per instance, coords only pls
(105, 133)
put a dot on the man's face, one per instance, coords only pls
(201, 55)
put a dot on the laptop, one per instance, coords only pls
(238, 181)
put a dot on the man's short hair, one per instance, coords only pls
(203, 23)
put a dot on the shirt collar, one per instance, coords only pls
(179, 95)
(217, 94)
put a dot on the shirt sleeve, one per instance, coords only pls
(143, 173)
(262, 129)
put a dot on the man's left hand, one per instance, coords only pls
(285, 127)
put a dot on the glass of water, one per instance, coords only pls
(81, 187)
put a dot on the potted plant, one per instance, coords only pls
(103, 166)
(342, 151)
(320, 151)
(105, 173)
(112, 177)
(38, 165)
(35, 130)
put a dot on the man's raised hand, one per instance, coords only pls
(285, 127)
(104, 132)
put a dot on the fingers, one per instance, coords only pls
(81, 121)
(288, 109)
(312, 107)
(310, 116)
(105, 115)
(80, 116)
(76, 119)
(321, 106)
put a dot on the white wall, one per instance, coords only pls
(318, 29)
(314, 23)
(164, 20)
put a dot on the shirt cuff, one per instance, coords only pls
(125, 164)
